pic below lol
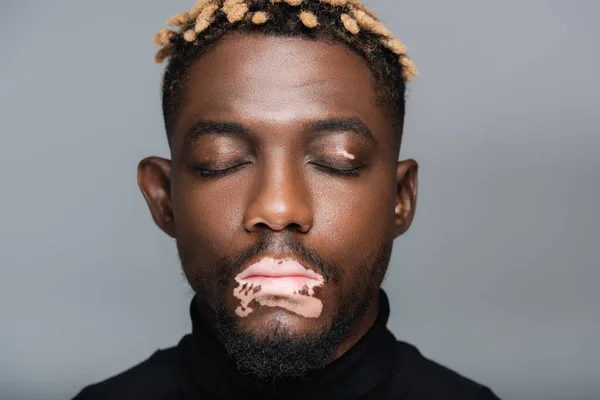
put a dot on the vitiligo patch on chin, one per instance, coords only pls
(279, 283)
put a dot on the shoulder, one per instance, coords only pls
(427, 379)
(152, 379)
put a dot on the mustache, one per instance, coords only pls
(285, 245)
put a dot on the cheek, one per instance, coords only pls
(203, 224)
(356, 218)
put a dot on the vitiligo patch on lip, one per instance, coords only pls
(279, 283)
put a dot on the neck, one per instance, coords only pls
(360, 326)
(361, 361)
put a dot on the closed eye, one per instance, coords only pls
(337, 171)
(213, 173)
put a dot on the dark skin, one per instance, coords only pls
(282, 118)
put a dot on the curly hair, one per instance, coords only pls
(347, 22)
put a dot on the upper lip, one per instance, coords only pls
(295, 269)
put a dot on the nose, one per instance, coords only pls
(282, 201)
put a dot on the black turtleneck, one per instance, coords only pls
(376, 367)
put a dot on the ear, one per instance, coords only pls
(154, 180)
(406, 199)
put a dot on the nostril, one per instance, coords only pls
(295, 227)
(264, 226)
(261, 226)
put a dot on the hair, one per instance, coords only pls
(347, 22)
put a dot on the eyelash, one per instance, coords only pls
(336, 171)
(213, 173)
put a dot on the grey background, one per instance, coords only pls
(497, 278)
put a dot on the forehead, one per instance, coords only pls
(282, 80)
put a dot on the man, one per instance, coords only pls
(284, 195)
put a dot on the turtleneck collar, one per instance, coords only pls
(206, 369)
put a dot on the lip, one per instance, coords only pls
(276, 267)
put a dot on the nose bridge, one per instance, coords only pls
(281, 198)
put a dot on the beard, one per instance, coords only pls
(276, 354)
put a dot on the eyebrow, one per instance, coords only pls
(349, 124)
(206, 126)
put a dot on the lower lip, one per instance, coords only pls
(294, 293)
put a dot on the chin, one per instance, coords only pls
(271, 337)
(275, 322)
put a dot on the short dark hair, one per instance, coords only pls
(347, 22)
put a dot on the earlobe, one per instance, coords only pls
(154, 180)
(406, 199)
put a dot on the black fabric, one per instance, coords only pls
(377, 367)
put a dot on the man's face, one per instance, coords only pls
(281, 154)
